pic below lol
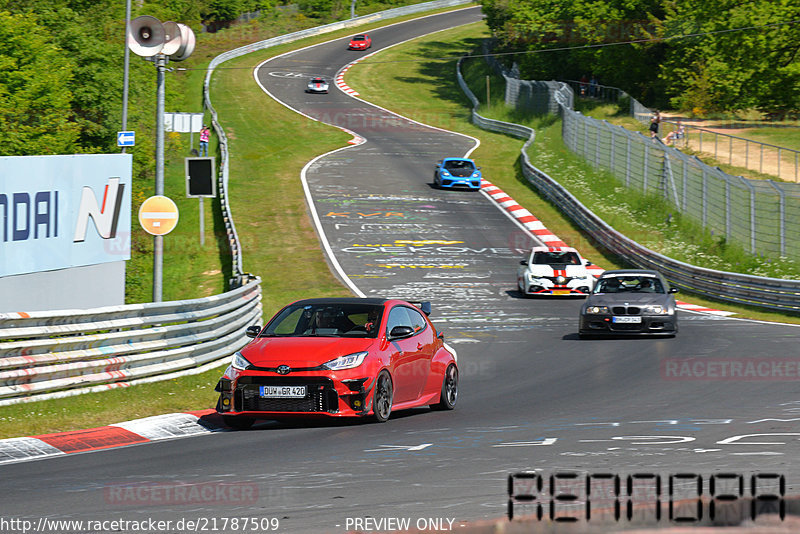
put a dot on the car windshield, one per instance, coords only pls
(317, 80)
(326, 319)
(549, 258)
(359, 38)
(458, 164)
(629, 284)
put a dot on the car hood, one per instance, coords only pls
(302, 351)
(633, 299)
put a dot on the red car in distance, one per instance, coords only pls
(339, 357)
(362, 41)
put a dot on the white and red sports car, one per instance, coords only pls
(554, 271)
(317, 85)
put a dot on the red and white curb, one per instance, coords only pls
(339, 81)
(156, 428)
(537, 228)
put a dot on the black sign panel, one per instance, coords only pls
(200, 177)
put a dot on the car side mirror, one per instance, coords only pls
(400, 332)
(252, 331)
(673, 290)
(523, 262)
(587, 263)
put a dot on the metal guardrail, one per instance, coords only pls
(53, 354)
(772, 293)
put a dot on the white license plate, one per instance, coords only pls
(629, 319)
(292, 392)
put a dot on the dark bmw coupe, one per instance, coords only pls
(630, 301)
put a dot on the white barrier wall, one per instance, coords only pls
(65, 224)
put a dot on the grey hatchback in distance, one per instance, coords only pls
(630, 302)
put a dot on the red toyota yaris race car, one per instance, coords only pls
(340, 357)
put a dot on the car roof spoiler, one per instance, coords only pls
(425, 306)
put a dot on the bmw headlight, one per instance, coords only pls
(655, 309)
(597, 309)
(346, 362)
(240, 362)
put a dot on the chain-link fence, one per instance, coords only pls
(758, 214)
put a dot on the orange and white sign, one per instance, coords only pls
(158, 215)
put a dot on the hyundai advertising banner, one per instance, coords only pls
(58, 212)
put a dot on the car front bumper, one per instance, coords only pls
(545, 287)
(338, 395)
(648, 325)
(450, 182)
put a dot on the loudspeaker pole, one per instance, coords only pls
(126, 69)
(158, 241)
(148, 37)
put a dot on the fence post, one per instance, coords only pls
(646, 162)
(685, 179)
(628, 162)
(728, 209)
(747, 183)
(746, 154)
(704, 196)
(730, 150)
(781, 216)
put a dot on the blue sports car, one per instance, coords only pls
(457, 172)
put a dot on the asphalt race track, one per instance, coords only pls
(532, 395)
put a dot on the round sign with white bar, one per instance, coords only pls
(158, 215)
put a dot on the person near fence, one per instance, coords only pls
(678, 133)
(584, 84)
(594, 89)
(205, 135)
(655, 122)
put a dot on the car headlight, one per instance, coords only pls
(597, 309)
(346, 362)
(240, 362)
(655, 309)
(445, 173)
(476, 174)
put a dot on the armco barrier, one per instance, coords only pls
(60, 353)
(772, 293)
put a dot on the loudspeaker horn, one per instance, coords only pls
(172, 40)
(181, 38)
(146, 36)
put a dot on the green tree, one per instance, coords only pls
(36, 114)
(726, 71)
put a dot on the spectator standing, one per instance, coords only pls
(584, 83)
(655, 122)
(205, 135)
